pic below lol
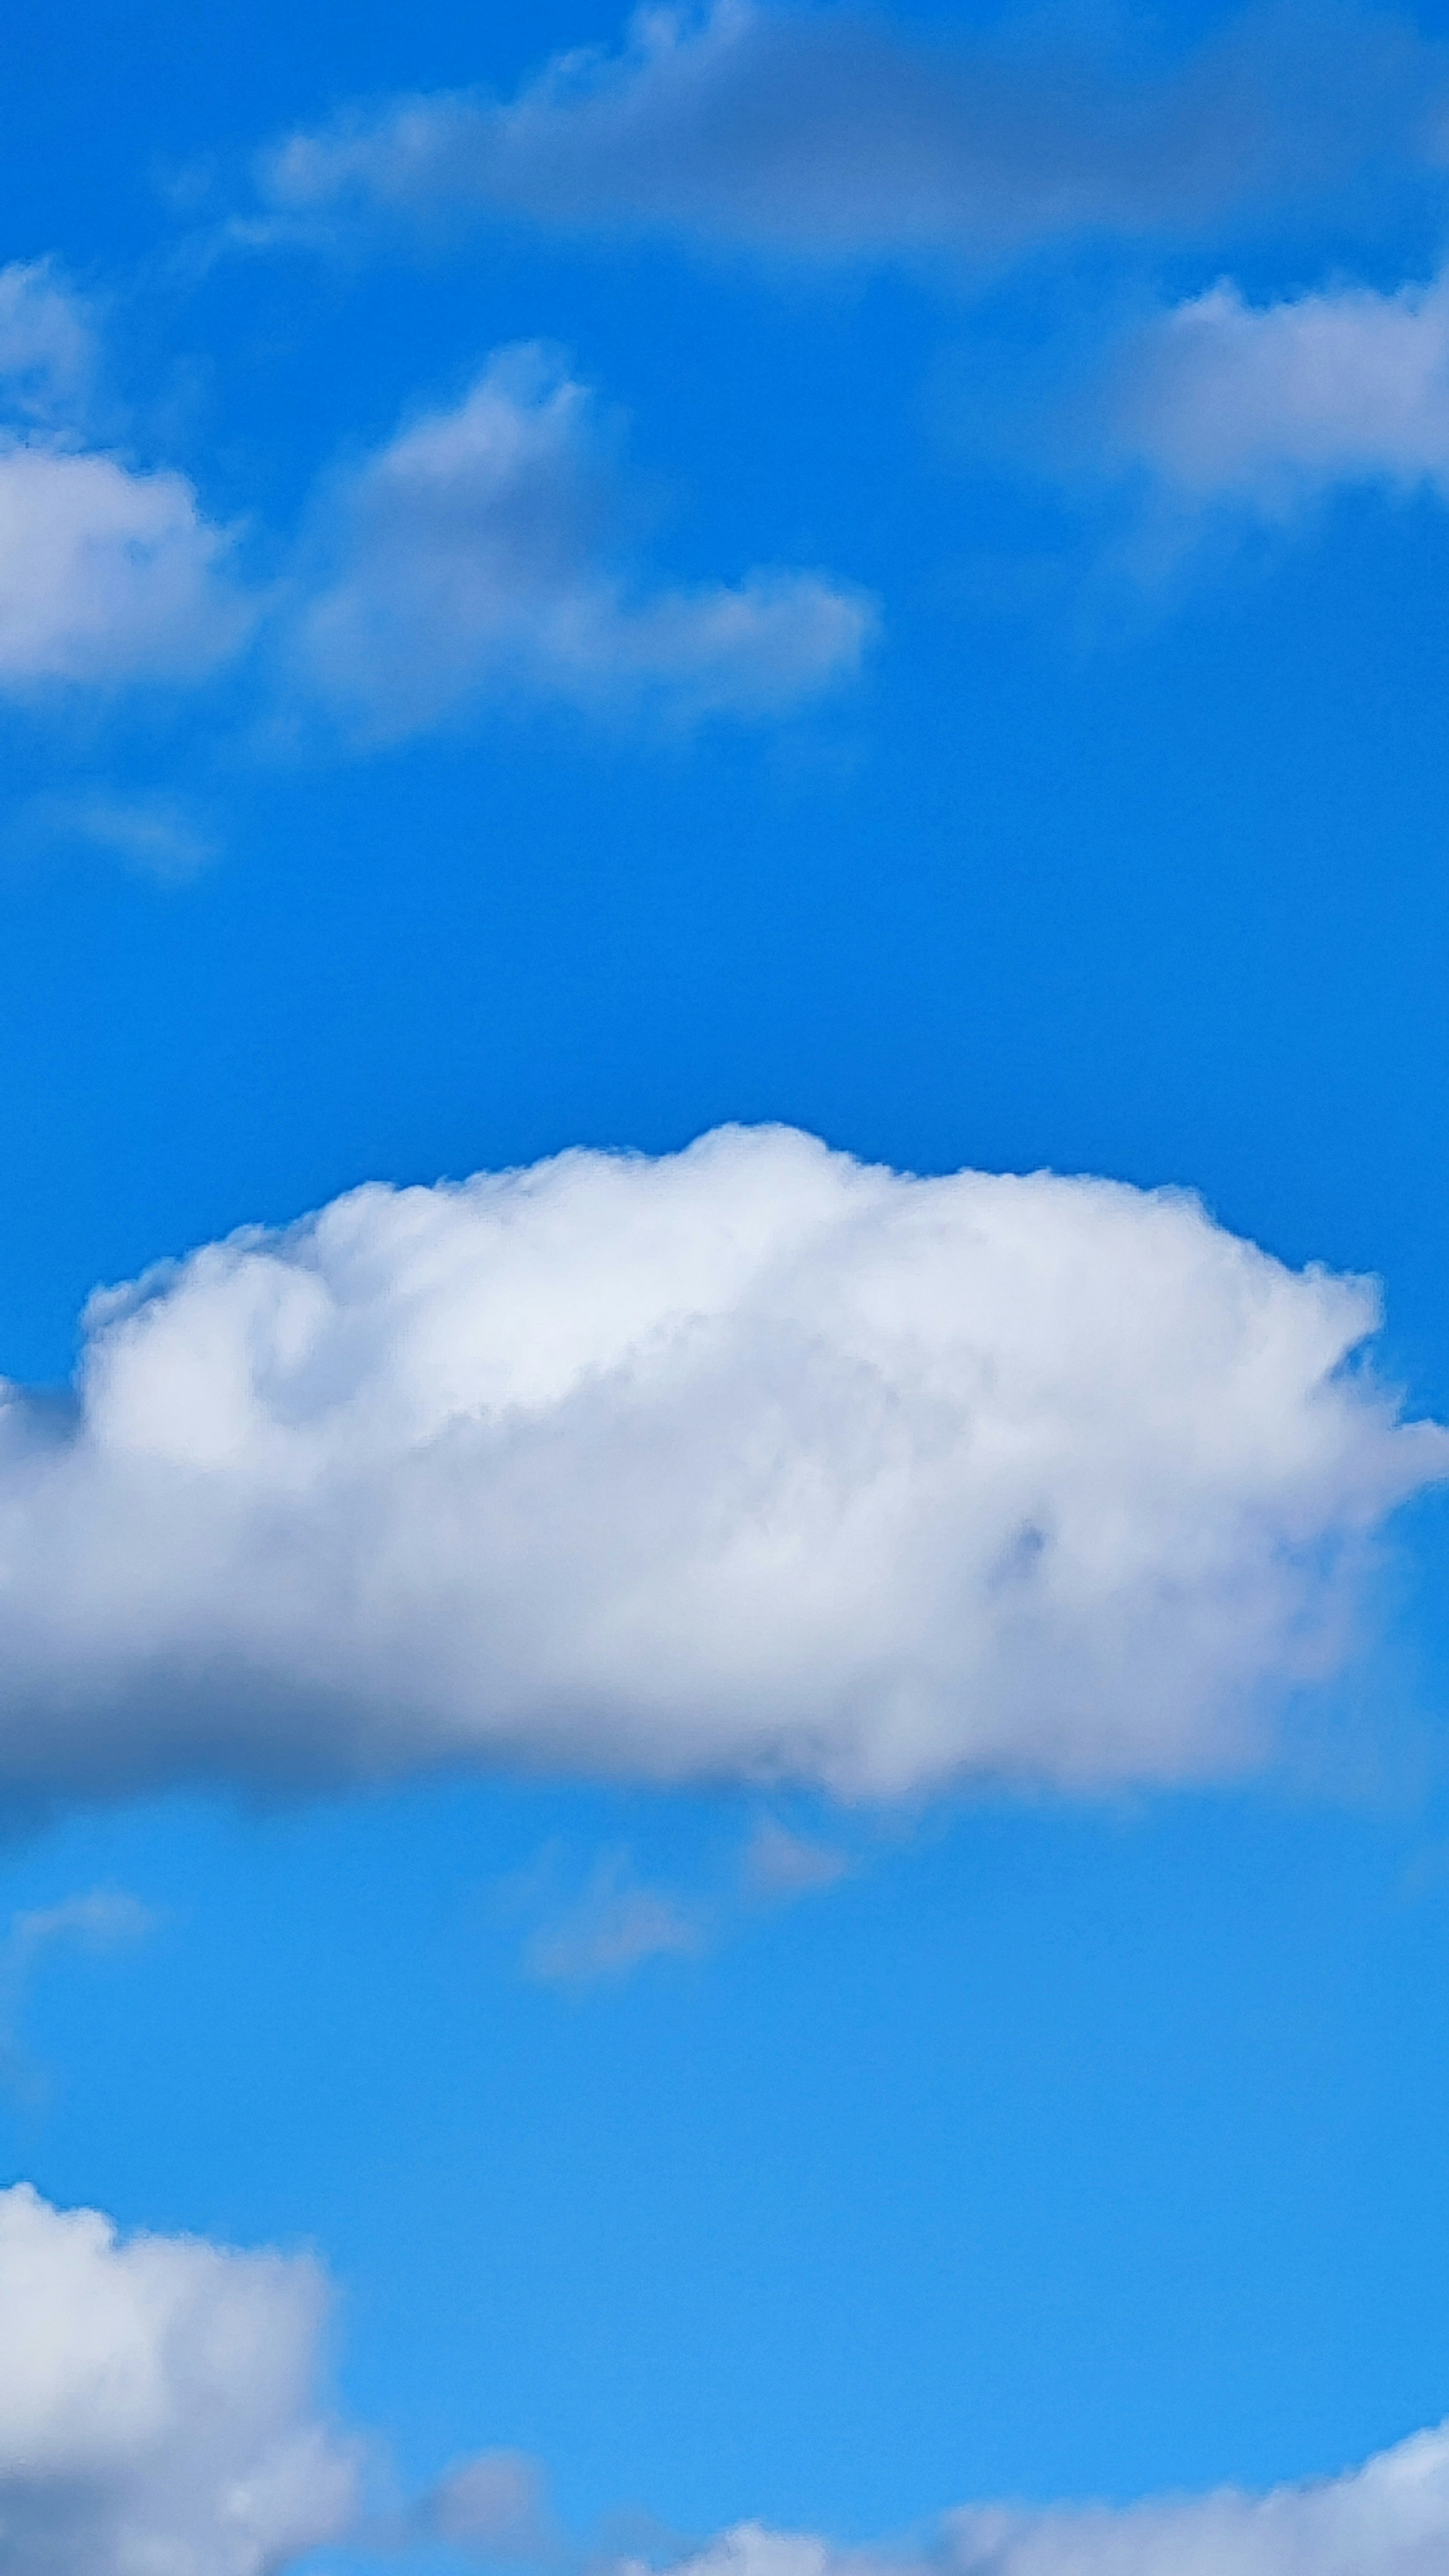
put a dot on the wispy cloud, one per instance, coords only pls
(780, 1866)
(831, 133)
(102, 1920)
(611, 1928)
(1270, 406)
(155, 834)
(493, 2506)
(471, 557)
(110, 572)
(475, 557)
(47, 343)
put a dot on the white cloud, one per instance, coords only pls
(829, 133)
(749, 1462)
(156, 2407)
(1388, 2518)
(159, 2417)
(1274, 404)
(468, 557)
(107, 575)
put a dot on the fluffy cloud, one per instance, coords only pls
(1273, 404)
(1389, 2518)
(156, 2414)
(829, 133)
(158, 2417)
(107, 575)
(468, 556)
(749, 1462)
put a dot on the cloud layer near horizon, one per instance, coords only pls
(157, 2415)
(1388, 2518)
(751, 1462)
(832, 133)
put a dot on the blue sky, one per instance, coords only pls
(737, 1856)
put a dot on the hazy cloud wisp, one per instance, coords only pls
(469, 556)
(1273, 405)
(831, 133)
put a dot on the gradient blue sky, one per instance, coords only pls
(1057, 2146)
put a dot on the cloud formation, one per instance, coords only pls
(108, 576)
(1388, 2518)
(751, 1462)
(492, 2506)
(156, 2407)
(469, 557)
(830, 133)
(159, 2417)
(1272, 405)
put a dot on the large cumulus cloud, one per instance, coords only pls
(751, 1461)
(156, 2407)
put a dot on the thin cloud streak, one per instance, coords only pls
(612, 1929)
(832, 134)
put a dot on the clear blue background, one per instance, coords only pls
(1056, 2151)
